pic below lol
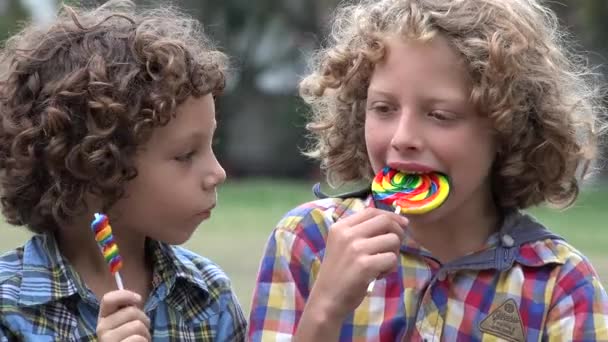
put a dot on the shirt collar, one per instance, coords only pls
(47, 276)
(170, 266)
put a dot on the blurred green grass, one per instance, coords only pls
(248, 210)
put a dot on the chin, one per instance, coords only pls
(176, 237)
(430, 217)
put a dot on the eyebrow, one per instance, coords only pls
(190, 136)
(449, 97)
(383, 93)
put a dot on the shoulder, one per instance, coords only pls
(209, 280)
(543, 247)
(199, 277)
(551, 250)
(29, 274)
(319, 214)
(538, 245)
(576, 280)
(30, 261)
(201, 291)
(304, 229)
(201, 270)
(11, 273)
(569, 268)
(300, 235)
(23, 280)
(11, 264)
(574, 263)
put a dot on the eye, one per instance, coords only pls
(186, 157)
(380, 108)
(441, 115)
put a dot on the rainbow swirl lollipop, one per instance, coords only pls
(103, 235)
(410, 193)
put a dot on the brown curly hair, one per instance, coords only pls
(78, 97)
(541, 98)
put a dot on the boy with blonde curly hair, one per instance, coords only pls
(485, 92)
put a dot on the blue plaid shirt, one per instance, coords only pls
(42, 298)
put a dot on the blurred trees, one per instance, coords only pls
(261, 118)
(261, 128)
(11, 13)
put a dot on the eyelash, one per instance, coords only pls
(441, 116)
(381, 109)
(385, 109)
(186, 157)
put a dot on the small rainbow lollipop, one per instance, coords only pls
(409, 193)
(103, 235)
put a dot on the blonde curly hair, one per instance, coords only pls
(79, 97)
(541, 98)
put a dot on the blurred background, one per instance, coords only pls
(261, 123)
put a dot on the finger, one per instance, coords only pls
(389, 242)
(369, 213)
(129, 329)
(114, 300)
(378, 225)
(392, 270)
(122, 317)
(136, 339)
(382, 263)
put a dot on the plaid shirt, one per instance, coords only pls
(42, 298)
(543, 290)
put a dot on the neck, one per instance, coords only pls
(77, 244)
(459, 232)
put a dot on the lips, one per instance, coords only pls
(412, 167)
(206, 212)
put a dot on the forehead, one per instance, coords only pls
(193, 116)
(431, 65)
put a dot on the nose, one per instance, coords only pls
(408, 135)
(215, 175)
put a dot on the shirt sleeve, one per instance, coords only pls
(232, 325)
(579, 311)
(285, 277)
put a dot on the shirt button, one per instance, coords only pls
(507, 240)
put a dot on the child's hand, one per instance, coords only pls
(121, 319)
(359, 248)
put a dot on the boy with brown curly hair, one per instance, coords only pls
(111, 110)
(484, 91)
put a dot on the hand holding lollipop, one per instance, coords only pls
(410, 193)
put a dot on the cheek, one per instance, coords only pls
(471, 159)
(377, 145)
(141, 195)
(483, 150)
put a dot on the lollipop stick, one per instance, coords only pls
(118, 281)
(370, 286)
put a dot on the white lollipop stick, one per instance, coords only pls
(118, 281)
